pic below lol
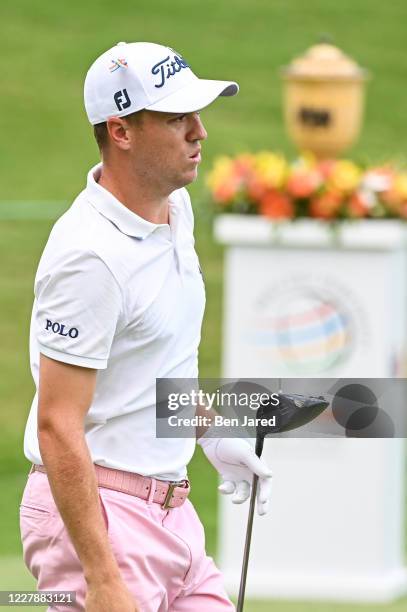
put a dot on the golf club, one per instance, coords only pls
(292, 411)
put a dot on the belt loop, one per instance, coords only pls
(153, 486)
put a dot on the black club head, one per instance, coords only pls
(293, 411)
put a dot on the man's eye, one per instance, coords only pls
(180, 118)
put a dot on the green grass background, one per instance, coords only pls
(46, 149)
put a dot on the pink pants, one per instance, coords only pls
(161, 553)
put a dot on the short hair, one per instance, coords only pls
(101, 133)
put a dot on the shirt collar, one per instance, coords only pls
(127, 221)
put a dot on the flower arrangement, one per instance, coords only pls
(266, 183)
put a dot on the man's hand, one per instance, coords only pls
(236, 462)
(110, 596)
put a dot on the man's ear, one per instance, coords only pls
(119, 132)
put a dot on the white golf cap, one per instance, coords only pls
(134, 76)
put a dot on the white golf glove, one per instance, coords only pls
(236, 462)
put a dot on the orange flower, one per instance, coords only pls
(395, 197)
(226, 191)
(276, 205)
(325, 206)
(303, 183)
(358, 205)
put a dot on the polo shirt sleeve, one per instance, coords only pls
(78, 308)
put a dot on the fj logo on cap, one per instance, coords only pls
(119, 96)
(58, 328)
(166, 69)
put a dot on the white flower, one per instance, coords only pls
(368, 196)
(376, 181)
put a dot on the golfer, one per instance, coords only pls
(119, 301)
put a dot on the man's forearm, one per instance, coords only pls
(73, 484)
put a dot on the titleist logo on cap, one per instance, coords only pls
(166, 69)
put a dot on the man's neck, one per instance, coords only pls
(133, 193)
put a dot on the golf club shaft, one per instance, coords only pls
(246, 553)
(291, 408)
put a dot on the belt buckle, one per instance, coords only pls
(166, 503)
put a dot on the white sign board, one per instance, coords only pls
(301, 301)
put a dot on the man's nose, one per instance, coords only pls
(198, 131)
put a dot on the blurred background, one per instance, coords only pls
(47, 148)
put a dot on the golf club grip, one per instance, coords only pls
(259, 445)
(246, 553)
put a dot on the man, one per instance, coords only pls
(119, 301)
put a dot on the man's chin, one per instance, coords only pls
(188, 178)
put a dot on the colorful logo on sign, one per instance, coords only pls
(307, 330)
(116, 64)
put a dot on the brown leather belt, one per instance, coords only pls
(167, 494)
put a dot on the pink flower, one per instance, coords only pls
(226, 191)
(303, 183)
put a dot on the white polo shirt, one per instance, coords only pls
(125, 296)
